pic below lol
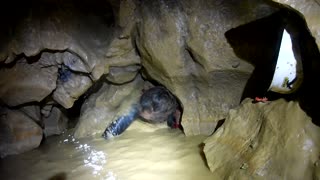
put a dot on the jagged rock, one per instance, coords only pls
(56, 123)
(33, 112)
(104, 106)
(58, 29)
(273, 140)
(66, 58)
(47, 108)
(73, 62)
(70, 86)
(209, 100)
(121, 75)
(122, 63)
(183, 46)
(87, 48)
(311, 12)
(19, 133)
(27, 82)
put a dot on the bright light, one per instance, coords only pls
(288, 73)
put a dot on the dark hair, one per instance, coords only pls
(160, 102)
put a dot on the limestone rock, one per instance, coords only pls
(19, 133)
(106, 105)
(56, 123)
(47, 108)
(32, 111)
(74, 62)
(183, 46)
(121, 75)
(70, 86)
(62, 27)
(122, 63)
(205, 101)
(27, 82)
(273, 140)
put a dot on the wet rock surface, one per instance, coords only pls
(106, 105)
(273, 140)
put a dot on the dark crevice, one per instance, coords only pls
(203, 155)
(74, 112)
(219, 124)
(194, 58)
(258, 42)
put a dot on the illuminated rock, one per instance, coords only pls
(273, 140)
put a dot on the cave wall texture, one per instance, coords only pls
(56, 55)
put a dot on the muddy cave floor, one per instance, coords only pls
(144, 151)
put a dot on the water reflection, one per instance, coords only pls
(140, 153)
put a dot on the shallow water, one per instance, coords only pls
(150, 152)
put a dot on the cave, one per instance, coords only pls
(69, 69)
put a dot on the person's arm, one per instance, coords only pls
(118, 126)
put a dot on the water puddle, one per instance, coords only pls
(157, 154)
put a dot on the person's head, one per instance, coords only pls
(156, 104)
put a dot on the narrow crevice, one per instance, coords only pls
(74, 112)
(194, 58)
(219, 124)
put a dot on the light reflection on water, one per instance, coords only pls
(159, 153)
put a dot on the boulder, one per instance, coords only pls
(121, 75)
(70, 87)
(32, 111)
(27, 82)
(56, 123)
(106, 105)
(273, 140)
(19, 133)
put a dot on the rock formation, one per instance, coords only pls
(18, 132)
(273, 140)
(106, 105)
(54, 55)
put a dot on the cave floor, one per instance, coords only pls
(156, 153)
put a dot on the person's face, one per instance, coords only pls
(146, 114)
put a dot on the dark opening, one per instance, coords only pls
(258, 43)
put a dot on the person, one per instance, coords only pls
(156, 105)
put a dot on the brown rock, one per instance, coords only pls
(27, 82)
(33, 111)
(273, 140)
(183, 46)
(121, 75)
(70, 87)
(106, 105)
(18, 133)
(56, 123)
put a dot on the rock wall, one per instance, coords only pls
(182, 46)
(311, 11)
(18, 132)
(54, 53)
